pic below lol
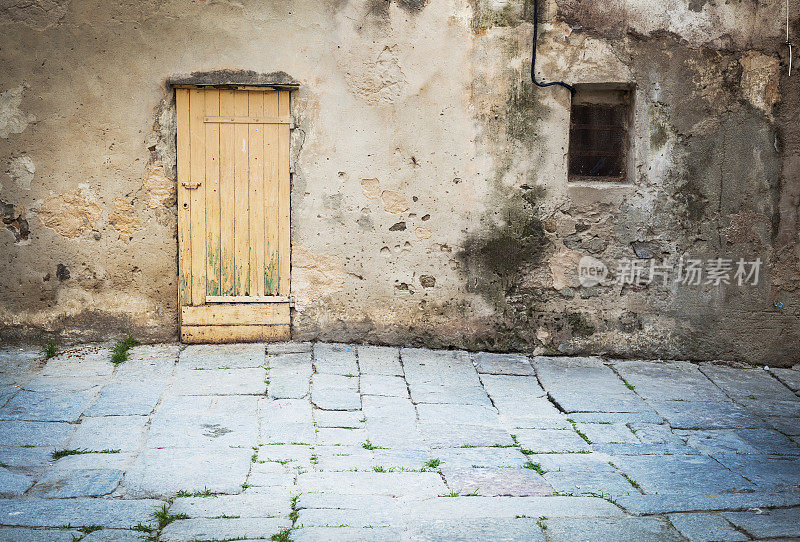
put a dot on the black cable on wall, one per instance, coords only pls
(533, 54)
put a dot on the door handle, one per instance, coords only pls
(191, 186)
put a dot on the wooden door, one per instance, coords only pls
(233, 214)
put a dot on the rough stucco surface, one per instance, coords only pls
(430, 199)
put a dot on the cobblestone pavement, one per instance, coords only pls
(342, 442)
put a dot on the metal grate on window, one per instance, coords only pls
(598, 139)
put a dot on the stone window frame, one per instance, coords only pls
(613, 94)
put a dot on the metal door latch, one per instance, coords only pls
(291, 301)
(191, 186)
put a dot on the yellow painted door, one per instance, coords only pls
(233, 214)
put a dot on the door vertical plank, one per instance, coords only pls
(284, 238)
(212, 194)
(197, 159)
(271, 150)
(257, 226)
(184, 203)
(241, 235)
(227, 159)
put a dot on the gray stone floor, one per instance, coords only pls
(343, 442)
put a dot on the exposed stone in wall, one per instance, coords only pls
(15, 222)
(315, 275)
(371, 188)
(159, 188)
(378, 80)
(12, 119)
(394, 202)
(760, 80)
(123, 219)
(698, 22)
(70, 214)
(21, 170)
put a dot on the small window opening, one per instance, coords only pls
(599, 134)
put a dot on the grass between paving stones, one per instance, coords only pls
(121, 348)
(580, 433)
(58, 454)
(367, 445)
(164, 518)
(534, 466)
(575, 493)
(433, 463)
(50, 350)
(205, 493)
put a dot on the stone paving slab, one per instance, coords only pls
(494, 529)
(511, 507)
(669, 473)
(669, 503)
(420, 484)
(21, 433)
(747, 383)
(257, 505)
(220, 382)
(551, 440)
(348, 534)
(702, 527)
(111, 513)
(449, 435)
(284, 411)
(503, 364)
(339, 359)
(789, 377)
(616, 529)
(334, 517)
(29, 456)
(127, 399)
(379, 360)
(769, 523)
(481, 457)
(109, 433)
(406, 435)
(493, 482)
(115, 535)
(723, 414)
(391, 386)
(216, 356)
(189, 530)
(16, 534)
(46, 406)
(288, 383)
(164, 472)
(65, 484)
(197, 421)
(765, 471)
(12, 483)
(590, 482)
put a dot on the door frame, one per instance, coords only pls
(228, 318)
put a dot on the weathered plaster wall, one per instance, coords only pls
(430, 200)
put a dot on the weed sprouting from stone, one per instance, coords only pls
(205, 493)
(534, 466)
(367, 445)
(433, 463)
(282, 536)
(50, 350)
(121, 348)
(164, 518)
(58, 454)
(580, 433)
